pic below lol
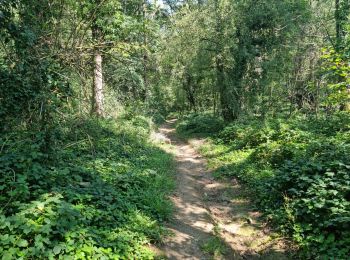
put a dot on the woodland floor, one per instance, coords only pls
(212, 219)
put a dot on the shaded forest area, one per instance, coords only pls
(83, 84)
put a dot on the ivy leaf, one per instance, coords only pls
(57, 249)
(22, 243)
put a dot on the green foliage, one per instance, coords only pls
(336, 69)
(202, 124)
(300, 174)
(82, 188)
(231, 56)
(100, 193)
(72, 187)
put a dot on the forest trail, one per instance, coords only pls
(212, 219)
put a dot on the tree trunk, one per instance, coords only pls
(97, 89)
(98, 85)
(225, 97)
(145, 58)
(337, 23)
(224, 93)
(190, 90)
(341, 18)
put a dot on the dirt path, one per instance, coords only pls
(212, 219)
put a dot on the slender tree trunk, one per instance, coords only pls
(317, 98)
(97, 89)
(190, 90)
(341, 15)
(337, 23)
(98, 108)
(214, 103)
(224, 93)
(145, 58)
(225, 101)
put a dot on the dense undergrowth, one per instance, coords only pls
(298, 170)
(99, 192)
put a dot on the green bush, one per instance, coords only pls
(245, 135)
(199, 124)
(100, 193)
(300, 173)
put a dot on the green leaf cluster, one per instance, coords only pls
(299, 174)
(101, 193)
